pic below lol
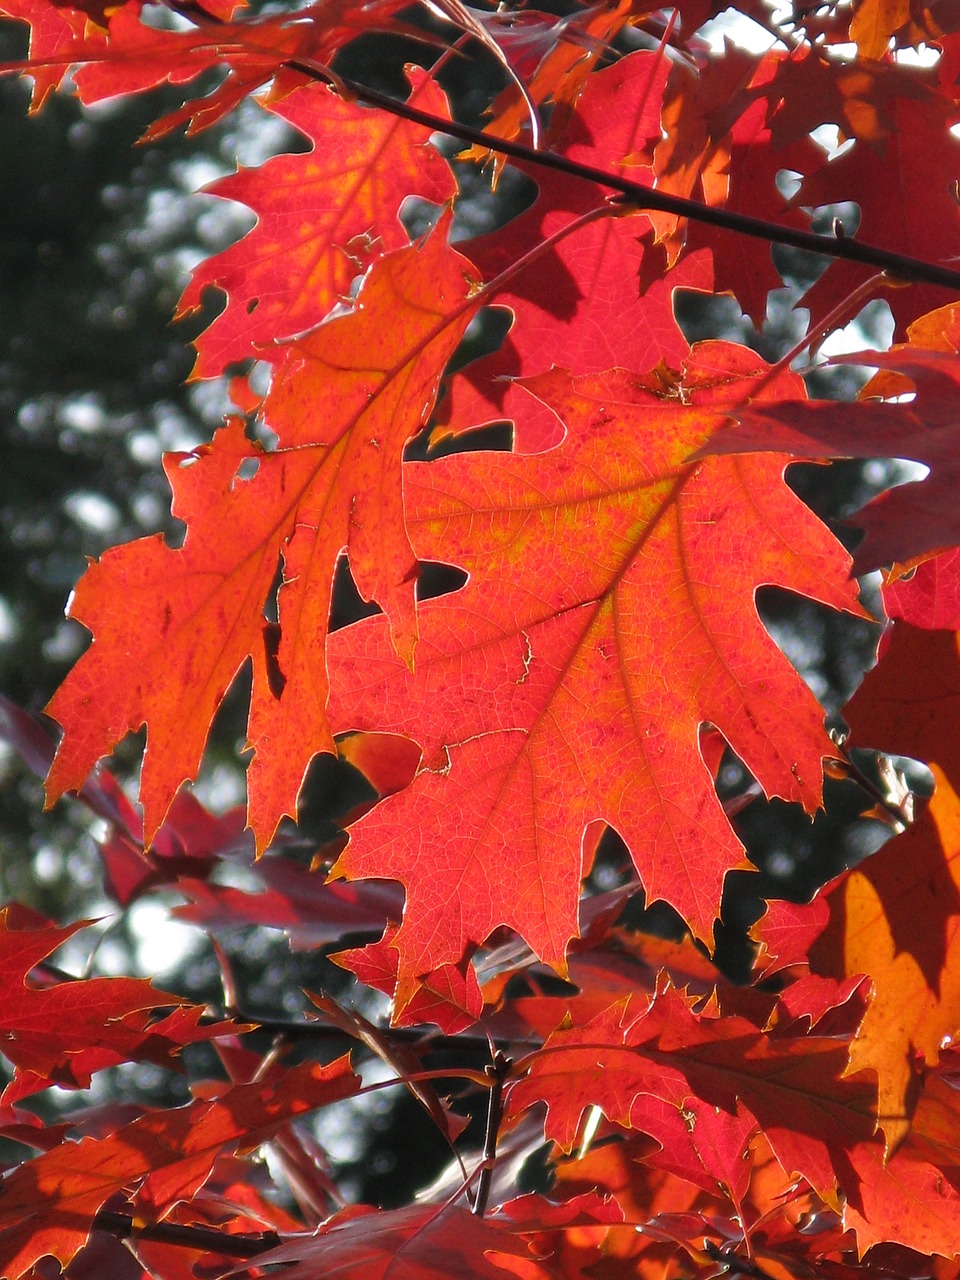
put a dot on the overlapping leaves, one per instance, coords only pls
(606, 645)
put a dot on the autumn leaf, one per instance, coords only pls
(63, 1033)
(562, 696)
(419, 1242)
(49, 1202)
(812, 88)
(293, 898)
(448, 996)
(927, 595)
(907, 701)
(701, 1084)
(875, 22)
(896, 917)
(911, 521)
(115, 52)
(569, 50)
(583, 306)
(321, 217)
(743, 156)
(173, 627)
(906, 190)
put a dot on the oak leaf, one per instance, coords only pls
(173, 627)
(63, 1033)
(701, 1085)
(566, 694)
(927, 595)
(906, 189)
(322, 216)
(910, 696)
(419, 1242)
(896, 917)
(115, 52)
(584, 305)
(912, 521)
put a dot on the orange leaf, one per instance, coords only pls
(321, 216)
(897, 918)
(173, 627)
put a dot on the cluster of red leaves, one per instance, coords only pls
(603, 652)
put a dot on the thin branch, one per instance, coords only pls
(209, 1239)
(633, 195)
(498, 1071)
(320, 1030)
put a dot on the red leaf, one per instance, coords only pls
(62, 1034)
(913, 520)
(700, 1085)
(930, 596)
(49, 1203)
(321, 217)
(420, 1242)
(567, 697)
(906, 189)
(908, 700)
(580, 306)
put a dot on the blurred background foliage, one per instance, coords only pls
(97, 236)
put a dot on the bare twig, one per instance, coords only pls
(210, 1239)
(498, 1071)
(634, 195)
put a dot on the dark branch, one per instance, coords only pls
(497, 1071)
(208, 1239)
(643, 198)
(635, 194)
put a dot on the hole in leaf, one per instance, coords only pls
(247, 469)
(271, 645)
(252, 306)
(346, 603)
(485, 334)
(271, 606)
(331, 788)
(497, 437)
(438, 579)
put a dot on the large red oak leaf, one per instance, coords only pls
(173, 627)
(49, 1203)
(321, 216)
(609, 615)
